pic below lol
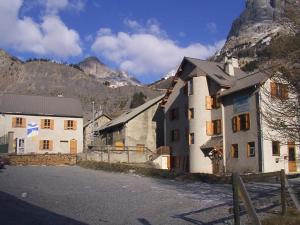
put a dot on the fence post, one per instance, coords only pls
(128, 154)
(283, 192)
(236, 205)
(108, 155)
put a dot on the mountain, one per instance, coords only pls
(261, 22)
(44, 77)
(93, 66)
(165, 82)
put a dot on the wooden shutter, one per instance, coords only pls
(209, 128)
(219, 126)
(14, 122)
(248, 150)
(285, 93)
(41, 144)
(238, 123)
(23, 123)
(232, 151)
(51, 124)
(50, 145)
(74, 125)
(66, 124)
(234, 124)
(208, 102)
(42, 124)
(273, 89)
(247, 121)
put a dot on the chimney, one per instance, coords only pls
(230, 65)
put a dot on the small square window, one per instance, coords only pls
(47, 123)
(46, 144)
(234, 151)
(275, 148)
(251, 149)
(191, 113)
(192, 139)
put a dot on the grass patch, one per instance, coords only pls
(291, 218)
(152, 172)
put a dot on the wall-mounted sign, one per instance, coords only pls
(32, 130)
(241, 104)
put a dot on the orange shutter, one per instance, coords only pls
(209, 128)
(41, 145)
(51, 124)
(208, 102)
(66, 124)
(273, 89)
(238, 123)
(42, 124)
(14, 122)
(285, 91)
(50, 145)
(234, 124)
(74, 125)
(232, 151)
(247, 118)
(23, 123)
(248, 150)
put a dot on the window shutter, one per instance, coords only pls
(273, 89)
(41, 145)
(232, 151)
(219, 126)
(238, 123)
(14, 122)
(23, 123)
(248, 150)
(74, 125)
(42, 123)
(208, 102)
(247, 118)
(234, 124)
(50, 145)
(209, 128)
(51, 124)
(66, 124)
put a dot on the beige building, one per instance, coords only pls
(41, 124)
(88, 129)
(141, 127)
(213, 122)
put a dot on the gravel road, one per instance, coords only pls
(37, 195)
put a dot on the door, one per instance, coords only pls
(292, 157)
(20, 145)
(73, 146)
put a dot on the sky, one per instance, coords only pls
(146, 38)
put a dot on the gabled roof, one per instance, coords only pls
(97, 117)
(125, 117)
(245, 82)
(40, 105)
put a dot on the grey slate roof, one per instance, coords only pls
(212, 142)
(215, 71)
(97, 117)
(125, 117)
(245, 82)
(40, 105)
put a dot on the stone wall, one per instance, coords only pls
(39, 159)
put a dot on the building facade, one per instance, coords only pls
(42, 124)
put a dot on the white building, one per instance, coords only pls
(42, 124)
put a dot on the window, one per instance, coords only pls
(174, 114)
(275, 148)
(70, 125)
(241, 122)
(191, 113)
(192, 139)
(18, 122)
(279, 90)
(251, 149)
(191, 87)
(46, 145)
(47, 124)
(234, 151)
(175, 135)
(213, 127)
(212, 102)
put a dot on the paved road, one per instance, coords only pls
(73, 195)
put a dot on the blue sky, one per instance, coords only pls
(145, 38)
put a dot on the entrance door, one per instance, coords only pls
(292, 157)
(73, 146)
(20, 145)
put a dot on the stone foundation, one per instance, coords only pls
(39, 159)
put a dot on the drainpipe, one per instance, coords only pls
(259, 132)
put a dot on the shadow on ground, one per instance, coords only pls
(14, 211)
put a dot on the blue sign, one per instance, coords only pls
(32, 130)
(241, 104)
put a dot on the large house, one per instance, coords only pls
(213, 122)
(139, 128)
(40, 124)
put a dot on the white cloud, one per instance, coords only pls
(212, 27)
(146, 50)
(53, 6)
(50, 37)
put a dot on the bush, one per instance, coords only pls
(137, 100)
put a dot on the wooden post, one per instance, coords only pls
(283, 192)
(236, 205)
(127, 153)
(108, 154)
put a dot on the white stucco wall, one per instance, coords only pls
(61, 138)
